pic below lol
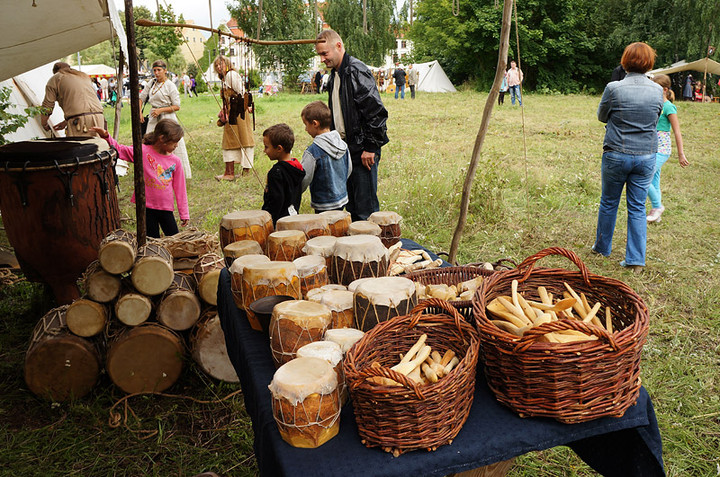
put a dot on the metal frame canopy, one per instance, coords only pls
(36, 32)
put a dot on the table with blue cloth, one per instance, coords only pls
(626, 446)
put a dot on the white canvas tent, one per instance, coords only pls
(713, 67)
(432, 78)
(33, 38)
(102, 71)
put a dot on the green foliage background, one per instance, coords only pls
(346, 17)
(281, 20)
(566, 46)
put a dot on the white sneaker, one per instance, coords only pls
(655, 214)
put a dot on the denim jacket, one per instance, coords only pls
(327, 168)
(631, 108)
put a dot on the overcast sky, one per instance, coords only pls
(195, 10)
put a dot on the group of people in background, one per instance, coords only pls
(511, 83)
(339, 168)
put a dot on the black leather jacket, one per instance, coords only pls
(362, 109)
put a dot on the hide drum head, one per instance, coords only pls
(145, 359)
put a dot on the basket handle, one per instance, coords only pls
(438, 303)
(570, 255)
(533, 334)
(383, 372)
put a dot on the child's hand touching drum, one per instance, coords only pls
(100, 132)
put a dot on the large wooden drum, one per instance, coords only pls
(341, 305)
(312, 271)
(364, 227)
(306, 402)
(314, 225)
(338, 221)
(322, 246)
(245, 225)
(312, 294)
(239, 249)
(358, 256)
(86, 318)
(380, 299)
(99, 285)
(179, 307)
(208, 349)
(236, 273)
(330, 352)
(207, 275)
(117, 251)
(267, 279)
(294, 324)
(146, 358)
(58, 202)
(153, 271)
(286, 245)
(132, 308)
(60, 365)
(344, 337)
(389, 223)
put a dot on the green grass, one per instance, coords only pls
(520, 205)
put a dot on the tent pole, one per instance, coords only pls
(135, 121)
(480, 139)
(118, 93)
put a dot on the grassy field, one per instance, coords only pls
(538, 185)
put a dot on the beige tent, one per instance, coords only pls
(713, 67)
(35, 35)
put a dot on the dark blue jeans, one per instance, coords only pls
(634, 173)
(362, 188)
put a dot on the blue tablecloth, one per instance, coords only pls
(626, 446)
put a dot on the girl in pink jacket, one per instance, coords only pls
(164, 177)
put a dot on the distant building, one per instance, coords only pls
(403, 47)
(193, 45)
(233, 49)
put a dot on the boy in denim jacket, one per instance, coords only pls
(326, 162)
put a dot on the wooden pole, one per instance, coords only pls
(118, 93)
(149, 23)
(135, 121)
(480, 139)
(259, 19)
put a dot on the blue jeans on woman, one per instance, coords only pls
(634, 172)
(654, 190)
(515, 91)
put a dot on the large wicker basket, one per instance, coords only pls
(450, 276)
(411, 416)
(571, 382)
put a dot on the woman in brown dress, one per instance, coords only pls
(238, 145)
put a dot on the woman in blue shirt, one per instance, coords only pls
(630, 108)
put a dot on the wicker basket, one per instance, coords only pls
(571, 382)
(450, 276)
(408, 417)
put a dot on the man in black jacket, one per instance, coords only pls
(359, 116)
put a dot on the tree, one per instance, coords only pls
(346, 18)
(9, 121)
(162, 42)
(281, 20)
(143, 35)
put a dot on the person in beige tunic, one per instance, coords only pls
(75, 94)
(238, 144)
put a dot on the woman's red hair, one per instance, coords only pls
(638, 57)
